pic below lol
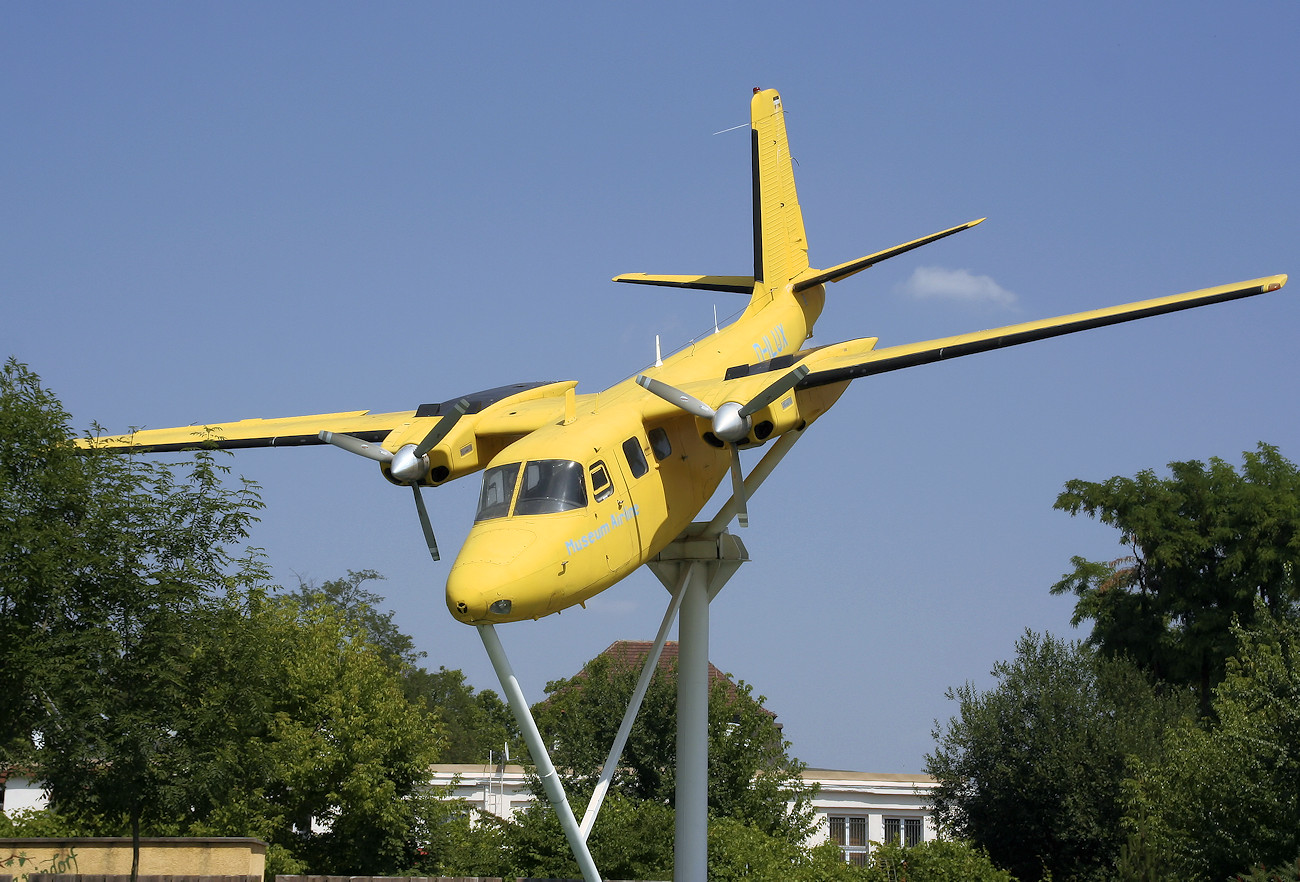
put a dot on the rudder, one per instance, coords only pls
(780, 244)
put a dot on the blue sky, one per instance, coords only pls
(217, 211)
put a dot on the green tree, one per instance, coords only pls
(1203, 545)
(473, 724)
(741, 852)
(46, 494)
(632, 839)
(300, 733)
(476, 724)
(1031, 771)
(361, 608)
(104, 557)
(938, 860)
(1225, 797)
(752, 778)
(156, 686)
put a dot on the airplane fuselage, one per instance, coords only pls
(642, 480)
(580, 490)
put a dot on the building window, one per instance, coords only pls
(850, 834)
(908, 831)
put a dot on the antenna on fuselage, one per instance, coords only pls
(659, 359)
(715, 318)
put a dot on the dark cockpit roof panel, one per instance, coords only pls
(478, 401)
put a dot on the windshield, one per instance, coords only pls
(548, 486)
(498, 487)
(551, 485)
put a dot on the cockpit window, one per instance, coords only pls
(498, 488)
(551, 485)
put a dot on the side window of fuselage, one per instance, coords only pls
(660, 446)
(601, 488)
(635, 457)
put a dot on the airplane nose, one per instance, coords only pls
(480, 582)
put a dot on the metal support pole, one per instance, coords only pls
(696, 566)
(545, 769)
(691, 846)
(648, 669)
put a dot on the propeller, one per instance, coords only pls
(410, 464)
(731, 420)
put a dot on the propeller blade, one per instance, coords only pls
(425, 522)
(688, 403)
(353, 444)
(774, 391)
(738, 488)
(442, 429)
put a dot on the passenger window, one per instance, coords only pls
(601, 487)
(660, 446)
(635, 458)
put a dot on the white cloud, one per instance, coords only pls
(937, 283)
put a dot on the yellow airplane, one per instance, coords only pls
(578, 491)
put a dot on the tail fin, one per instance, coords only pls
(780, 246)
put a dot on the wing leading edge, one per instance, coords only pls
(284, 432)
(516, 408)
(842, 362)
(853, 359)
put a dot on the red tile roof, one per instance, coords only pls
(632, 654)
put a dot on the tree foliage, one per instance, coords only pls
(302, 736)
(477, 725)
(361, 609)
(1031, 770)
(474, 724)
(939, 860)
(104, 557)
(752, 778)
(1204, 544)
(154, 683)
(1225, 797)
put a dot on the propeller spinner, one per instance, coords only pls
(410, 464)
(731, 420)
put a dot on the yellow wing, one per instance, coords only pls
(491, 414)
(284, 432)
(849, 361)
(841, 362)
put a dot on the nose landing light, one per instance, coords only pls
(501, 607)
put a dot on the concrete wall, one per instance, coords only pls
(111, 856)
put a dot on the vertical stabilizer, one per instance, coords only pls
(780, 246)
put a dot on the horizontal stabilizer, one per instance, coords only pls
(814, 277)
(731, 284)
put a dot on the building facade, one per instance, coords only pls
(853, 809)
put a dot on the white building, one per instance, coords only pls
(21, 793)
(853, 808)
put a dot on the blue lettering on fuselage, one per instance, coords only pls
(772, 344)
(615, 521)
